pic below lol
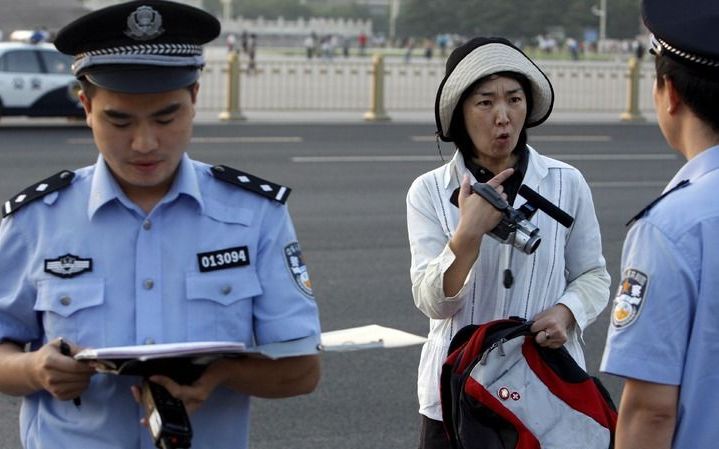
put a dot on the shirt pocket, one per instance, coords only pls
(220, 305)
(71, 309)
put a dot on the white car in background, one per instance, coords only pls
(35, 80)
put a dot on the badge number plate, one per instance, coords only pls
(223, 259)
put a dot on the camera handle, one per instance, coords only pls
(487, 192)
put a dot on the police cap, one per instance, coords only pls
(142, 46)
(687, 33)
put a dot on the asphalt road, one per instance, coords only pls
(348, 205)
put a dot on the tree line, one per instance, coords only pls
(517, 19)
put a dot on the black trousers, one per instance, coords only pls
(432, 435)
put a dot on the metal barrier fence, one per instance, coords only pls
(297, 84)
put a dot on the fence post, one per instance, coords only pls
(232, 112)
(632, 113)
(377, 112)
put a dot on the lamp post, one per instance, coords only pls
(393, 13)
(602, 13)
(226, 9)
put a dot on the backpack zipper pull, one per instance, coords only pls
(499, 345)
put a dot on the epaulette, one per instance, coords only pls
(55, 182)
(252, 183)
(644, 211)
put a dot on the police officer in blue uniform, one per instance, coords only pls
(146, 246)
(664, 332)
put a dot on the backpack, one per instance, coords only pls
(501, 390)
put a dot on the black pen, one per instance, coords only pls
(65, 350)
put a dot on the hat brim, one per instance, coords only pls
(143, 80)
(484, 61)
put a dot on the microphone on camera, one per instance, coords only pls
(548, 208)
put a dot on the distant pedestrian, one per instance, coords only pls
(231, 42)
(428, 49)
(362, 42)
(251, 50)
(310, 44)
(345, 46)
(409, 47)
(442, 42)
(573, 48)
(638, 50)
(243, 41)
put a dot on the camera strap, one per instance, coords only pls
(508, 277)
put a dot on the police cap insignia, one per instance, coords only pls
(688, 35)
(629, 299)
(297, 268)
(139, 46)
(67, 266)
(144, 24)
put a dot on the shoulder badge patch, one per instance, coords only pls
(629, 298)
(55, 182)
(252, 183)
(67, 266)
(297, 268)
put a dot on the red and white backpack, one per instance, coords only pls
(500, 390)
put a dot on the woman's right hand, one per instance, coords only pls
(476, 215)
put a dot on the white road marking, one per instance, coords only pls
(216, 140)
(627, 184)
(545, 138)
(435, 158)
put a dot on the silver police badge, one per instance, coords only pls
(297, 268)
(144, 24)
(67, 266)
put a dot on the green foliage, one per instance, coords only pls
(516, 19)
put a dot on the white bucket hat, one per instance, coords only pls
(481, 57)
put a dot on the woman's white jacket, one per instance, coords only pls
(568, 267)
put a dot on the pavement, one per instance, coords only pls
(348, 207)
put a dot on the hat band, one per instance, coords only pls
(143, 49)
(659, 45)
(137, 59)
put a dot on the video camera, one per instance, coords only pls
(515, 228)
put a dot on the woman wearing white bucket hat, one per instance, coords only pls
(490, 95)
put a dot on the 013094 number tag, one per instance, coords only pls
(223, 258)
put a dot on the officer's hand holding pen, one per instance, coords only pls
(65, 350)
(61, 375)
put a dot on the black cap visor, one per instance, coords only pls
(142, 80)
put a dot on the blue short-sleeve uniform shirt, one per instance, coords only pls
(665, 319)
(211, 261)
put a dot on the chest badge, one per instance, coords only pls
(297, 268)
(67, 266)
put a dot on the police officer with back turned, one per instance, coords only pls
(146, 246)
(664, 333)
